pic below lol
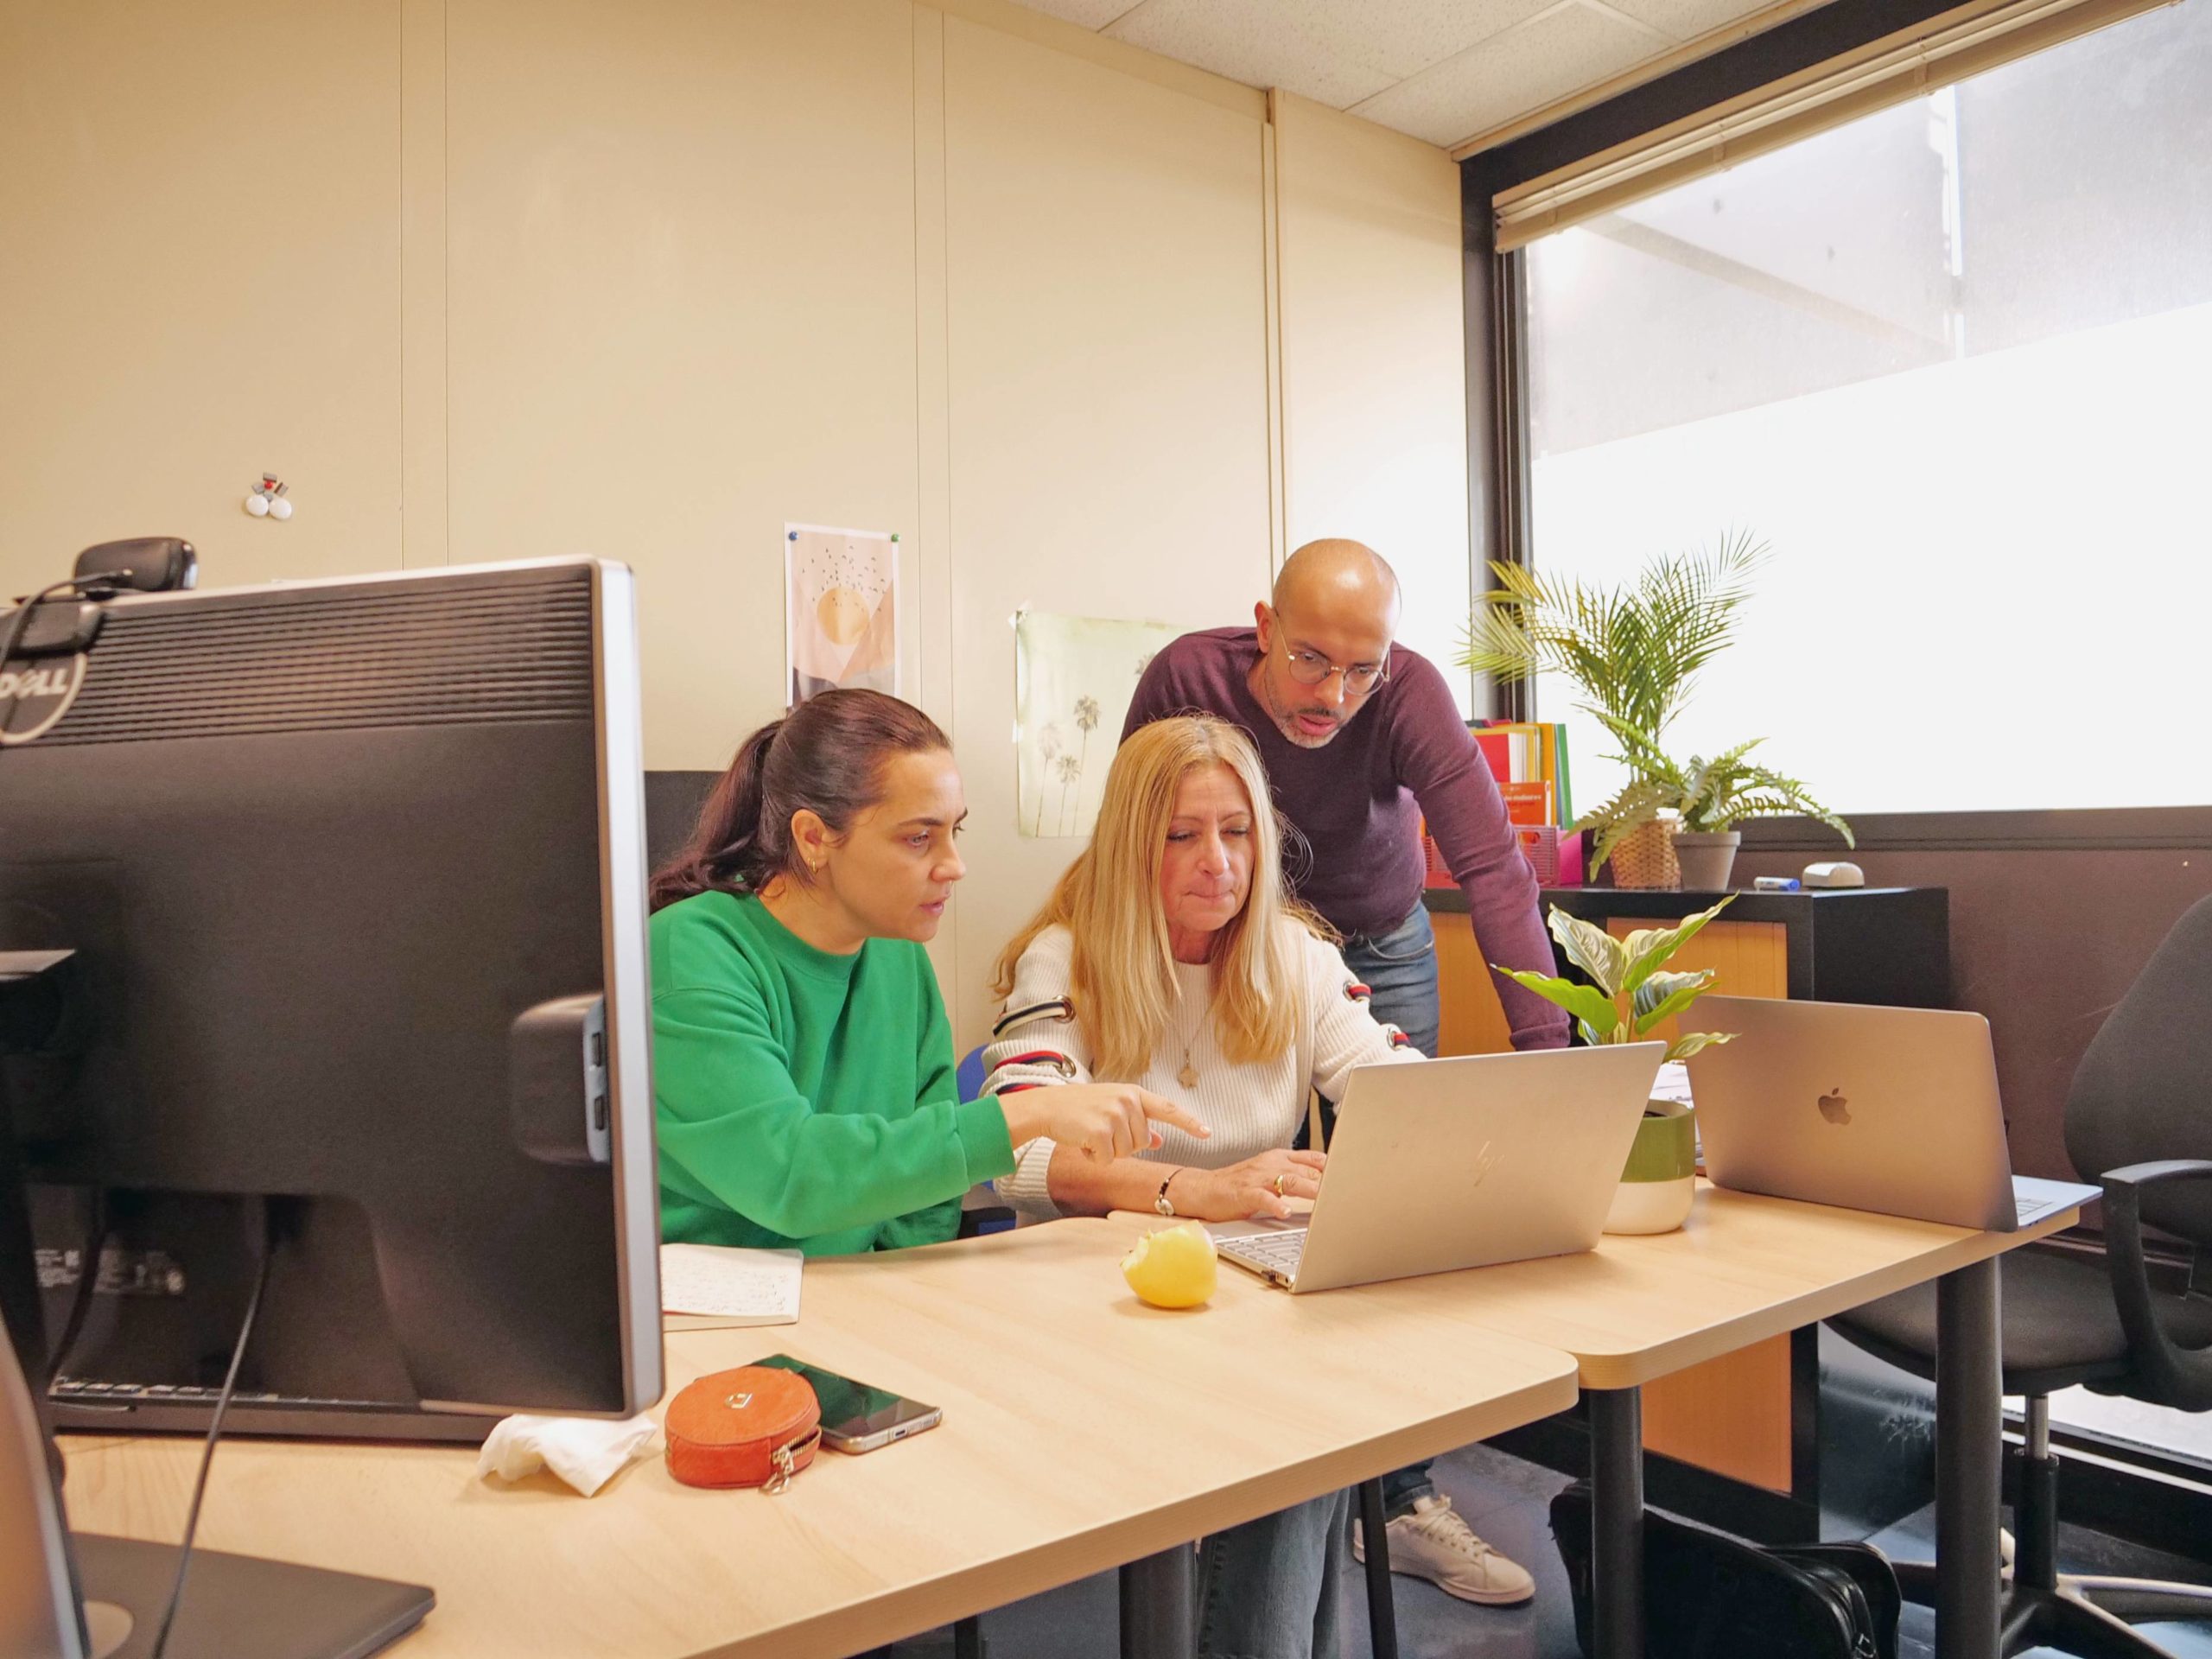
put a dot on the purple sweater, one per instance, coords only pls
(1358, 800)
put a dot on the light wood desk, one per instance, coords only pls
(1742, 1269)
(1752, 1414)
(1082, 1430)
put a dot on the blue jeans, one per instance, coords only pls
(1399, 969)
(1268, 1589)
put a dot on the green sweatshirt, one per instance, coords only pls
(804, 1099)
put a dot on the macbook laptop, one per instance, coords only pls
(1889, 1109)
(1438, 1165)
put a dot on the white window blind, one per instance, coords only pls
(1965, 41)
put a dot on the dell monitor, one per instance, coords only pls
(322, 939)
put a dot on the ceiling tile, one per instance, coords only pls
(1091, 14)
(1407, 36)
(1560, 51)
(1398, 37)
(1687, 19)
(1296, 44)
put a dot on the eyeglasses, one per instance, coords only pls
(1311, 668)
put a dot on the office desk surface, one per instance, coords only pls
(1742, 1269)
(1082, 1430)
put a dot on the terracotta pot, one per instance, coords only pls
(1645, 857)
(1706, 857)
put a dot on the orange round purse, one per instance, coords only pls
(752, 1426)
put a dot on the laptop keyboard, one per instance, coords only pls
(1269, 1252)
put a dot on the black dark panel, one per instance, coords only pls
(672, 802)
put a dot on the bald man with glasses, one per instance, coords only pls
(1361, 740)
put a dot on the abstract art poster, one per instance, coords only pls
(1074, 676)
(840, 609)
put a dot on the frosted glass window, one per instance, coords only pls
(1953, 362)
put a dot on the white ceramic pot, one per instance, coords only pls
(1661, 1179)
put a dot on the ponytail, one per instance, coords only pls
(826, 756)
(724, 853)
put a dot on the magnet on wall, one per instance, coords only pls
(266, 499)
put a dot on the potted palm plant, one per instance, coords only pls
(1630, 991)
(1634, 653)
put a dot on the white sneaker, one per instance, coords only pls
(1434, 1543)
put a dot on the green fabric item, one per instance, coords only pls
(1665, 1148)
(805, 1100)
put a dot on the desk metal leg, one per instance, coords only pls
(1382, 1610)
(1156, 1613)
(1615, 1523)
(1969, 1447)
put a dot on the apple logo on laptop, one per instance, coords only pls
(1834, 1107)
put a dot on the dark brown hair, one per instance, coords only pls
(827, 757)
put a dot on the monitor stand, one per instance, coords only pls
(84, 1596)
(236, 1604)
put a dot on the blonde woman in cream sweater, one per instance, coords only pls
(1197, 980)
(1169, 956)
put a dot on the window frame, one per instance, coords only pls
(2123, 1486)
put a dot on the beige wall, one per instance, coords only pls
(495, 278)
(1108, 396)
(680, 311)
(1374, 378)
(199, 279)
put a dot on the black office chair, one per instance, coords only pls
(2141, 1111)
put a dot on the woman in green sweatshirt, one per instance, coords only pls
(802, 1069)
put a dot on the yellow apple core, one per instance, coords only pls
(1172, 1268)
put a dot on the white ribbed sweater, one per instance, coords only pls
(1251, 1108)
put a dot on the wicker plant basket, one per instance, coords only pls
(1645, 857)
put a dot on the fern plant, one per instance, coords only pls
(1716, 795)
(1629, 993)
(1634, 653)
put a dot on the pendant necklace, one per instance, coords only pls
(1188, 1076)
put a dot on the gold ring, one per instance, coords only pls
(1279, 1191)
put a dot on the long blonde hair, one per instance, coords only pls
(1124, 977)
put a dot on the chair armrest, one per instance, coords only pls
(2167, 1375)
(2157, 1172)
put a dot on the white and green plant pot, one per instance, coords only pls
(1661, 1180)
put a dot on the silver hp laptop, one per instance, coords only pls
(1893, 1110)
(1439, 1165)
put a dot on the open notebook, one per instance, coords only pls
(711, 1287)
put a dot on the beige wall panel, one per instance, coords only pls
(199, 279)
(1107, 399)
(681, 310)
(422, 282)
(1374, 376)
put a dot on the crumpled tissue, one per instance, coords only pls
(585, 1452)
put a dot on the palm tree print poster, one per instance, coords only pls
(1074, 677)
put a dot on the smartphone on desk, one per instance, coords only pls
(855, 1417)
